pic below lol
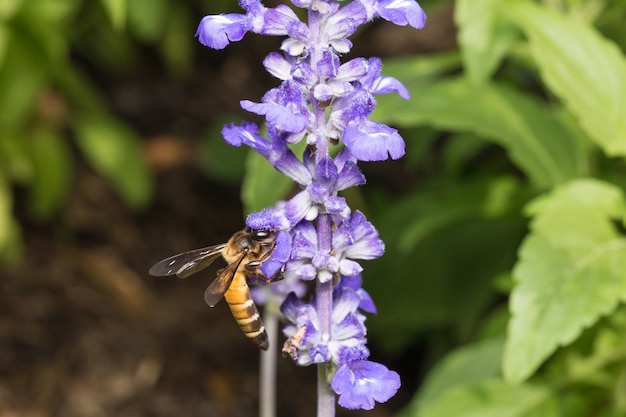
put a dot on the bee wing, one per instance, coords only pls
(225, 276)
(187, 263)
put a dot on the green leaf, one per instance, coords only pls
(423, 70)
(571, 271)
(5, 35)
(467, 365)
(48, 25)
(17, 164)
(534, 137)
(8, 8)
(10, 233)
(493, 398)
(220, 160)
(174, 41)
(460, 250)
(78, 88)
(116, 9)
(148, 18)
(115, 153)
(262, 185)
(22, 75)
(53, 163)
(6, 208)
(483, 37)
(445, 206)
(587, 71)
(460, 150)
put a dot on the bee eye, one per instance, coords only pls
(261, 234)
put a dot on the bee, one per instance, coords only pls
(244, 252)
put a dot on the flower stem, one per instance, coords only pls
(325, 395)
(324, 307)
(267, 390)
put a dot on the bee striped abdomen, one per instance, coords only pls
(245, 312)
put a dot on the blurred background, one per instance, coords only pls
(111, 159)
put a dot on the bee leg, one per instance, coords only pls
(278, 276)
(253, 270)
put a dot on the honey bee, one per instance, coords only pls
(244, 252)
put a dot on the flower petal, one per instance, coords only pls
(278, 115)
(372, 141)
(217, 31)
(298, 207)
(361, 383)
(402, 12)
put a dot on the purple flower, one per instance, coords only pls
(346, 339)
(400, 12)
(218, 31)
(285, 108)
(275, 151)
(360, 383)
(372, 141)
(324, 103)
(280, 255)
(268, 219)
(320, 195)
(355, 283)
(355, 238)
(376, 83)
(276, 293)
(279, 21)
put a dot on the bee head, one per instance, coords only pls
(261, 234)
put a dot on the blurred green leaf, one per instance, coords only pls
(262, 185)
(12, 251)
(116, 9)
(446, 278)
(6, 208)
(221, 160)
(587, 71)
(430, 212)
(460, 149)
(493, 398)
(571, 272)
(176, 45)
(48, 25)
(536, 140)
(502, 194)
(78, 88)
(419, 142)
(10, 236)
(115, 153)
(148, 18)
(8, 8)
(22, 76)
(5, 35)
(53, 168)
(17, 164)
(466, 365)
(421, 72)
(483, 37)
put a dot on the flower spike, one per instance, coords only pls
(328, 104)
